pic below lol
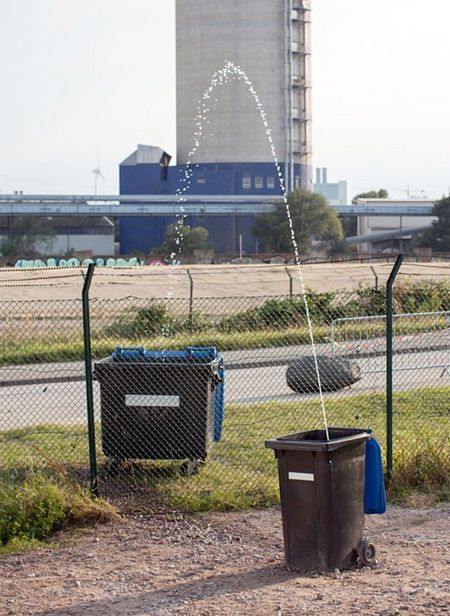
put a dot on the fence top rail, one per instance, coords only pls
(394, 316)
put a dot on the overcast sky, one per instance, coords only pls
(87, 78)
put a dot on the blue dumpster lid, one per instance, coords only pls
(129, 352)
(135, 353)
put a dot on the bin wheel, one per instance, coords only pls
(366, 553)
(190, 467)
(112, 466)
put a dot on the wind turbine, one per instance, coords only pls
(98, 173)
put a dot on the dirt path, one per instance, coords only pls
(228, 565)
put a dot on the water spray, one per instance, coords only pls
(224, 75)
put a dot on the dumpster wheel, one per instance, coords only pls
(190, 467)
(366, 553)
(112, 466)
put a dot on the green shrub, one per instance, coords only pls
(240, 322)
(370, 302)
(424, 296)
(155, 320)
(34, 506)
(283, 314)
(280, 313)
(31, 509)
(149, 321)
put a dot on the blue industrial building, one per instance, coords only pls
(243, 91)
(147, 172)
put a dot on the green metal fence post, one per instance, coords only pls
(290, 281)
(88, 371)
(191, 297)
(389, 286)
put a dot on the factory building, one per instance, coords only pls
(71, 233)
(243, 104)
(336, 193)
(384, 228)
(147, 172)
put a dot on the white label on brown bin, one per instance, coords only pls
(143, 400)
(301, 476)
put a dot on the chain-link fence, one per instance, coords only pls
(42, 392)
(187, 390)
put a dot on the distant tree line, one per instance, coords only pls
(311, 218)
(438, 237)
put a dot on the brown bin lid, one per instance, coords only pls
(315, 440)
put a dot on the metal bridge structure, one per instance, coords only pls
(167, 205)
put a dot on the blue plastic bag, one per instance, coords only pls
(374, 491)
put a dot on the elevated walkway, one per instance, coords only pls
(171, 205)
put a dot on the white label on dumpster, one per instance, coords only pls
(144, 400)
(301, 476)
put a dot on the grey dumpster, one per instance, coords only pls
(160, 405)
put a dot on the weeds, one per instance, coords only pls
(36, 503)
(421, 471)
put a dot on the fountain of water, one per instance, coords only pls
(221, 77)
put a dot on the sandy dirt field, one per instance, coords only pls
(208, 281)
(228, 564)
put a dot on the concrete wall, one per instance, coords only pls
(99, 244)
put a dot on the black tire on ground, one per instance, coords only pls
(335, 373)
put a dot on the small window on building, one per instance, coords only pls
(246, 181)
(270, 182)
(201, 179)
(259, 182)
(297, 181)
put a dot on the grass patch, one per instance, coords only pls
(421, 476)
(30, 447)
(36, 503)
(240, 472)
(33, 351)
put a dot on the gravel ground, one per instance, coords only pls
(228, 564)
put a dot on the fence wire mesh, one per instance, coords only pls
(183, 408)
(42, 394)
